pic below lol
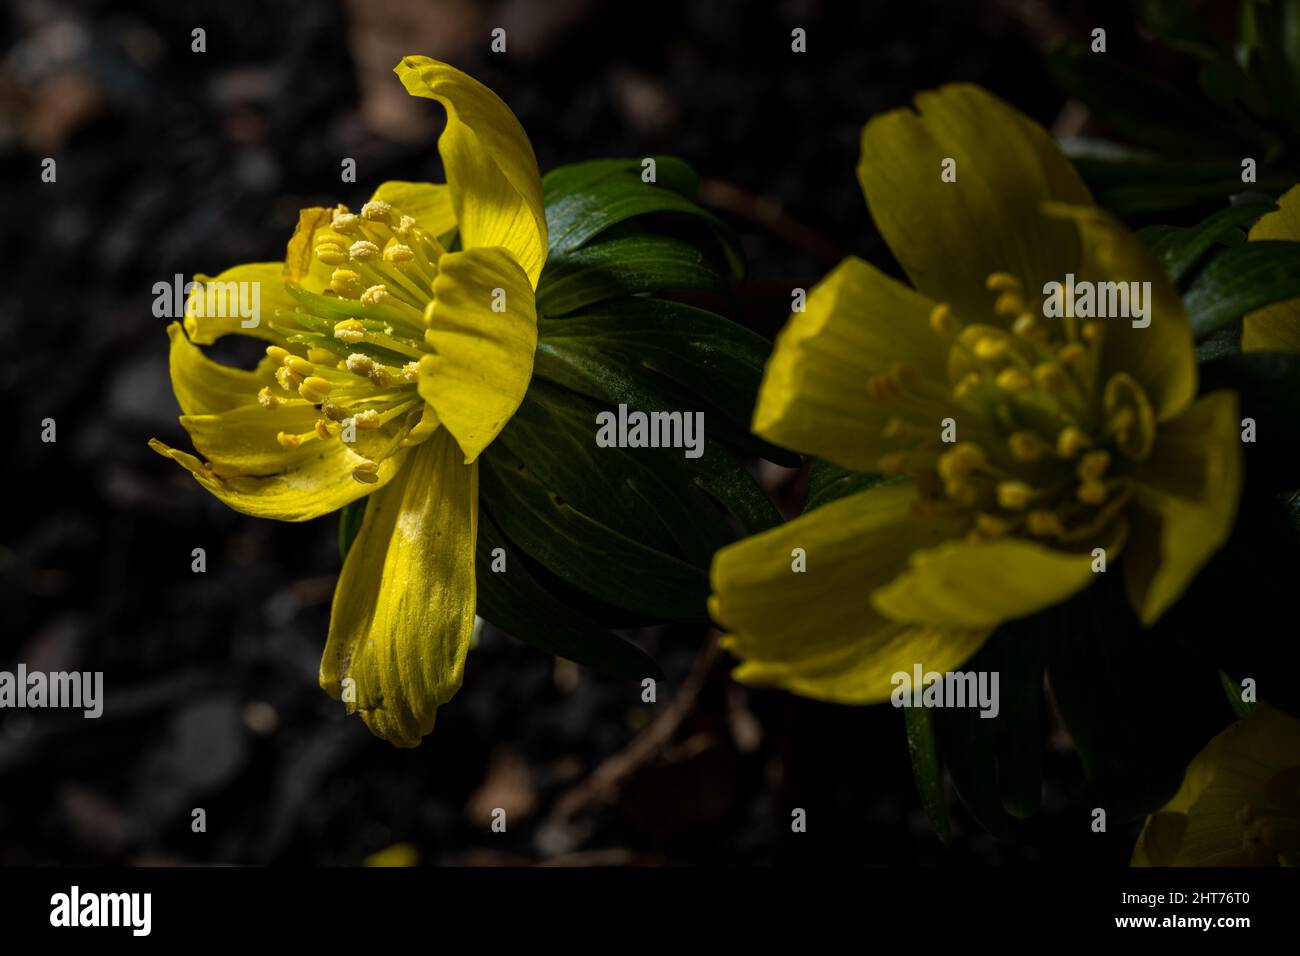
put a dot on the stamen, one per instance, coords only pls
(1045, 523)
(1071, 441)
(289, 379)
(398, 253)
(1014, 495)
(314, 389)
(375, 295)
(349, 330)
(288, 441)
(1013, 380)
(943, 321)
(1091, 492)
(1027, 446)
(1002, 282)
(331, 254)
(346, 283)
(266, 399)
(1093, 465)
(376, 210)
(367, 472)
(363, 250)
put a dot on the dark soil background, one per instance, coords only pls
(170, 162)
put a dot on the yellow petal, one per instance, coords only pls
(204, 322)
(1160, 356)
(315, 487)
(429, 204)
(483, 358)
(857, 322)
(813, 631)
(301, 266)
(981, 584)
(404, 607)
(496, 190)
(1228, 786)
(203, 386)
(1276, 328)
(950, 236)
(1185, 502)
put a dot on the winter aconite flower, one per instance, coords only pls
(1029, 445)
(391, 364)
(1239, 804)
(1276, 328)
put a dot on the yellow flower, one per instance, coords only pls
(1071, 434)
(392, 364)
(1239, 804)
(1276, 328)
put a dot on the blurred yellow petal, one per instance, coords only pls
(429, 204)
(1238, 804)
(212, 310)
(857, 322)
(1160, 356)
(310, 489)
(814, 631)
(950, 236)
(482, 358)
(404, 607)
(203, 386)
(496, 190)
(1276, 328)
(301, 265)
(981, 584)
(1185, 502)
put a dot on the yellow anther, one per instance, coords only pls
(323, 430)
(990, 348)
(366, 419)
(1026, 324)
(893, 463)
(349, 330)
(969, 382)
(1026, 446)
(266, 399)
(1014, 495)
(411, 370)
(343, 221)
(376, 210)
(965, 493)
(288, 441)
(1050, 377)
(314, 389)
(1122, 421)
(897, 430)
(1072, 354)
(958, 464)
(367, 472)
(299, 365)
(289, 379)
(278, 354)
(359, 364)
(333, 412)
(363, 250)
(991, 526)
(331, 254)
(398, 253)
(1044, 523)
(319, 356)
(1013, 380)
(404, 226)
(1093, 465)
(1071, 442)
(1002, 282)
(346, 283)
(1092, 331)
(1009, 305)
(374, 295)
(1091, 492)
(942, 320)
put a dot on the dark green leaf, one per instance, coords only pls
(1233, 691)
(1242, 279)
(829, 482)
(519, 604)
(628, 265)
(968, 747)
(924, 753)
(653, 354)
(1019, 725)
(1180, 249)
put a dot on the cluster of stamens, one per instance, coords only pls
(1023, 437)
(354, 349)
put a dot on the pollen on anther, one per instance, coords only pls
(376, 210)
(1014, 495)
(363, 250)
(375, 295)
(266, 399)
(398, 252)
(369, 418)
(349, 330)
(288, 441)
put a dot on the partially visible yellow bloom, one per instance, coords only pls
(391, 364)
(1028, 441)
(1276, 327)
(1239, 804)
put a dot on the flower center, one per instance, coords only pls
(353, 350)
(1023, 437)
